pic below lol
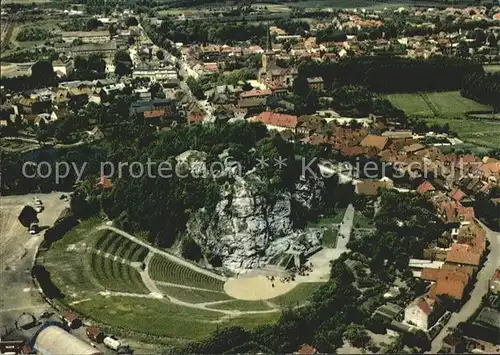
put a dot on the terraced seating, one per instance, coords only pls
(116, 276)
(115, 244)
(163, 269)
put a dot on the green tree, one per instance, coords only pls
(93, 24)
(190, 250)
(131, 21)
(160, 55)
(357, 335)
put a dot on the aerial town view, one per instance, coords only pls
(249, 176)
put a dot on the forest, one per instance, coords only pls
(389, 75)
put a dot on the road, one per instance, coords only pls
(345, 228)
(184, 70)
(480, 289)
(165, 254)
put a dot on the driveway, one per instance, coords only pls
(480, 289)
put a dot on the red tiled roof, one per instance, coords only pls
(372, 140)
(154, 113)
(425, 305)
(424, 187)
(193, 118)
(254, 93)
(278, 119)
(70, 316)
(104, 183)
(356, 150)
(458, 195)
(306, 349)
(463, 254)
(429, 274)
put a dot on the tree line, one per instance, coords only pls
(387, 75)
(483, 87)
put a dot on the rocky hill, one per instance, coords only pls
(248, 229)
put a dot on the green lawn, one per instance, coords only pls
(474, 131)
(162, 318)
(411, 104)
(298, 295)
(242, 305)
(360, 221)
(435, 104)
(451, 103)
(193, 296)
(330, 235)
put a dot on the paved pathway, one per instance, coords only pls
(345, 228)
(165, 254)
(147, 280)
(480, 289)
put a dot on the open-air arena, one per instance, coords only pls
(115, 280)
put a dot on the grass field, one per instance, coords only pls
(242, 305)
(193, 296)
(473, 131)
(491, 68)
(298, 295)
(435, 104)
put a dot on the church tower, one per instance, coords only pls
(268, 54)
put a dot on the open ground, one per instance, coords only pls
(17, 250)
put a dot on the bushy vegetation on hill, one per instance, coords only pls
(395, 74)
(33, 34)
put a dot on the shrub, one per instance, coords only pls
(190, 250)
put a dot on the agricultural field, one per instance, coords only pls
(491, 68)
(478, 132)
(435, 104)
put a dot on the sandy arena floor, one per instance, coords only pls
(260, 288)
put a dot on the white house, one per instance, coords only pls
(423, 312)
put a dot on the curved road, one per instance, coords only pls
(165, 254)
(480, 289)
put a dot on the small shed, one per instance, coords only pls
(71, 319)
(95, 334)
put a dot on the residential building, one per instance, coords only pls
(374, 141)
(87, 36)
(278, 121)
(106, 49)
(316, 83)
(370, 187)
(63, 68)
(423, 312)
